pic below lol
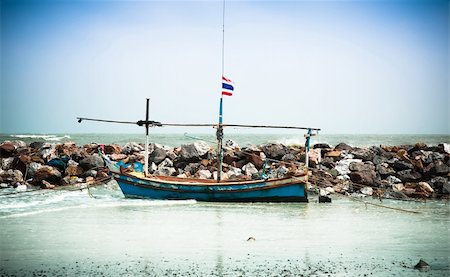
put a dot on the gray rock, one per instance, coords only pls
(384, 170)
(441, 184)
(393, 180)
(366, 166)
(204, 174)
(402, 165)
(367, 190)
(249, 169)
(32, 168)
(363, 154)
(289, 157)
(132, 147)
(231, 144)
(166, 163)
(152, 168)
(158, 155)
(343, 146)
(343, 165)
(234, 172)
(92, 161)
(274, 150)
(408, 175)
(195, 151)
(379, 160)
(440, 168)
(6, 163)
(11, 176)
(90, 173)
(166, 171)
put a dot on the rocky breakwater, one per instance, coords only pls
(402, 171)
(382, 171)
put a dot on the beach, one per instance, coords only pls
(75, 220)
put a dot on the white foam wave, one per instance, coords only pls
(50, 200)
(44, 137)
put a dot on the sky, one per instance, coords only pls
(347, 67)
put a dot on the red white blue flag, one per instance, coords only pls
(227, 86)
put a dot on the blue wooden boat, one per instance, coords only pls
(136, 185)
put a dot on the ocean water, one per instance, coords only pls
(241, 139)
(81, 233)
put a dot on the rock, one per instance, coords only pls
(49, 153)
(171, 154)
(324, 199)
(342, 146)
(426, 187)
(90, 173)
(11, 176)
(256, 160)
(402, 165)
(47, 185)
(195, 151)
(315, 156)
(393, 180)
(117, 157)
(363, 154)
(274, 150)
(289, 158)
(398, 187)
(249, 169)
(166, 163)
(328, 162)
(333, 154)
(132, 147)
(446, 147)
(3, 185)
(74, 170)
(32, 168)
(231, 144)
(152, 168)
(112, 149)
(365, 177)
(47, 173)
(384, 170)
(7, 149)
(204, 174)
(440, 184)
(358, 166)
(158, 155)
(166, 171)
(92, 161)
(280, 172)
(321, 145)
(440, 168)
(343, 165)
(234, 173)
(422, 265)
(408, 175)
(366, 190)
(379, 160)
(6, 163)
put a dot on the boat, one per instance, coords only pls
(136, 184)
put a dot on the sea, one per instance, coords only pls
(173, 140)
(99, 232)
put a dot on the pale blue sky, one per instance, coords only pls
(343, 66)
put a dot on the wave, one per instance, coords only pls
(44, 137)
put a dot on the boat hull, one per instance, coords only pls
(279, 190)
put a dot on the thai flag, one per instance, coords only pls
(227, 86)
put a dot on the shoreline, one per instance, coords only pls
(414, 171)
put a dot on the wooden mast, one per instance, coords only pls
(219, 132)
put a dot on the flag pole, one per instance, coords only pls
(219, 132)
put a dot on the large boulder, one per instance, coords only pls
(384, 170)
(11, 176)
(342, 146)
(440, 184)
(204, 174)
(92, 161)
(408, 175)
(7, 149)
(363, 154)
(6, 163)
(402, 165)
(249, 169)
(112, 149)
(440, 168)
(362, 173)
(274, 150)
(132, 147)
(255, 159)
(194, 151)
(47, 173)
(343, 165)
(32, 168)
(158, 155)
